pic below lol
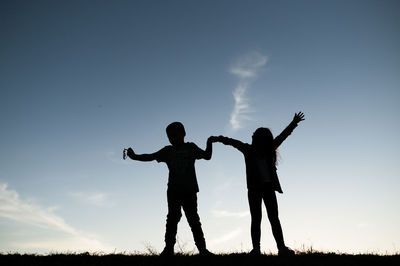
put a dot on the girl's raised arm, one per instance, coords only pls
(298, 117)
(231, 142)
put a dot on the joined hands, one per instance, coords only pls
(212, 139)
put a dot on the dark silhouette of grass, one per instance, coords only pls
(302, 258)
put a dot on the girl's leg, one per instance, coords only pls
(272, 210)
(255, 200)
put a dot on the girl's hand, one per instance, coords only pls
(298, 117)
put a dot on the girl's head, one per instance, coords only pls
(263, 142)
(261, 137)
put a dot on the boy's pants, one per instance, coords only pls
(187, 201)
(256, 196)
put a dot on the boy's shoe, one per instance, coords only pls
(205, 252)
(285, 251)
(255, 252)
(167, 252)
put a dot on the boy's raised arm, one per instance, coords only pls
(140, 157)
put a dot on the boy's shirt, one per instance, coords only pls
(180, 161)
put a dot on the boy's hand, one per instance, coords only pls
(130, 153)
(298, 117)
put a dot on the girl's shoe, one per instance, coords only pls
(167, 252)
(255, 252)
(205, 252)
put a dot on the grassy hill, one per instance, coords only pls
(182, 259)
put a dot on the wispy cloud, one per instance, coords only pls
(246, 69)
(94, 198)
(14, 208)
(363, 225)
(225, 213)
(221, 212)
(226, 237)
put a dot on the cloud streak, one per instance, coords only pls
(14, 208)
(245, 69)
(224, 213)
(94, 198)
(226, 237)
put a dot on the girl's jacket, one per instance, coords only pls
(253, 176)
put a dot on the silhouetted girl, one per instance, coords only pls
(262, 180)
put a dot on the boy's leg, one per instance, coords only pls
(255, 201)
(173, 217)
(272, 210)
(189, 205)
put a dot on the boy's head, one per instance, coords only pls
(176, 133)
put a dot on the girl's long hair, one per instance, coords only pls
(263, 142)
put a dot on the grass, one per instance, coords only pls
(308, 257)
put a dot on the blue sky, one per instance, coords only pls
(81, 80)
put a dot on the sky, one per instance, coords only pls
(82, 80)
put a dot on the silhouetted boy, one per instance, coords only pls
(182, 184)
